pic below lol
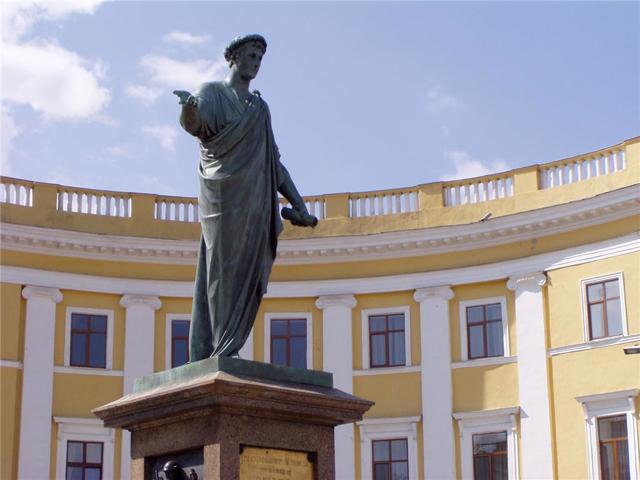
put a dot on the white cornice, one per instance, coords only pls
(354, 286)
(597, 210)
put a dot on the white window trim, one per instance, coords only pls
(585, 315)
(488, 421)
(288, 316)
(388, 428)
(167, 340)
(67, 335)
(364, 320)
(607, 405)
(84, 430)
(462, 308)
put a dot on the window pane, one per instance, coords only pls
(298, 327)
(607, 462)
(476, 342)
(378, 350)
(99, 323)
(279, 351)
(614, 317)
(396, 348)
(398, 450)
(180, 328)
(279, 327)
(499, 467)
(377, 324)
(74, 451)
(494, 312)
(180, 353)
(78, 349)
(299, 352)
(92, 474)
(490, 442)
(623, 459)
(400, 471)
(495, 343)
(481, 467)
(612, 289)
(380, 451)
(98, 350)
(79, 321)
(74, 473)
(594, 292)
(381, 471)
(475, 314)
(597, 322)
(396, 322)
(94, 453)
(610, 428)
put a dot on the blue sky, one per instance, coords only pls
(363, 95)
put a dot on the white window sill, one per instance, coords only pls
(600, 343)
(485, 362)
(386, 370)
(89, 371)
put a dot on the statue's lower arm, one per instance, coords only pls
(299, 215)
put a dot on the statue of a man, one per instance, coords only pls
(240, 177)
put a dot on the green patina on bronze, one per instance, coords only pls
(232, 366)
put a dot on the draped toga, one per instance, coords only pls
(239, 175)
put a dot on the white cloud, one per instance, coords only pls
(176, 74)
(52, 80)
(147, 94)
(467, 167)
(165, 134)
(185, 38)
(10, 130)
(438, 101)
(120, 150)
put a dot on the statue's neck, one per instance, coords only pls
(238, 83)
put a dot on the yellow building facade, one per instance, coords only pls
(487, 318)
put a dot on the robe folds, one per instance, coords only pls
(239, 175)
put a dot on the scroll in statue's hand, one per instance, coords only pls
(299, 218)
(186, 98)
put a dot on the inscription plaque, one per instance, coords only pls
(271, 464)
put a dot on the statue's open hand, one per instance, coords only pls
(186, 98)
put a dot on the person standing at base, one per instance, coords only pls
(240, 176)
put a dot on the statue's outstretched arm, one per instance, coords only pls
(189, 116)
(287, 188)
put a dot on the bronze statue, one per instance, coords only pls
(240, 177)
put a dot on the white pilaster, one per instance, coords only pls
(37, 382)
(138, 354)
(337, 357)
(437, 397)
(533, 379)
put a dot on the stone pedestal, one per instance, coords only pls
(221, 416)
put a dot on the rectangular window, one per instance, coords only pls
(289, 342)
(614, 448)
(490, 456)
(484, 331)
(604, 309)
(84, 460)
(88, 340)
(390, 459)
(386, 340)
(179, 342)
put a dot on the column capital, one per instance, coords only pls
(533, 281)
(148, 301)
(443, 292)
(327, 301)
(53, 294)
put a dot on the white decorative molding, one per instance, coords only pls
(387, 371)
(485, 362)
(605, 342)
(147, 301)
(295, 289)
(605, 405)
(101, 372)
(167, 337)
(307, 316)
(488, 421)
(84, 430)
(10, 364)
(67, 334)
(392, 428)
(348, 301)
(364, 322)
(443, 292)
(583, 296)
(603, 208)
(462, 309)
(532, 282)
(48, 293)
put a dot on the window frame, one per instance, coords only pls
(488, 421)
(464, 341)
(390, 428)
(490, 455)
(169, 318)
(84, 430)
(390, 462)
(109, 337)
(84, 464)
(308, 316)
(608, 405)
(586, 322)
(613, 441)
(364, 320)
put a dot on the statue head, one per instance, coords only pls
(239, 43)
